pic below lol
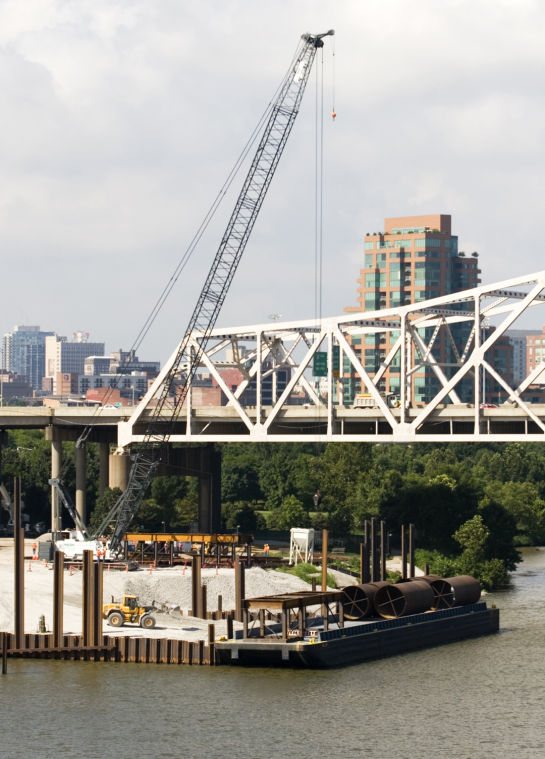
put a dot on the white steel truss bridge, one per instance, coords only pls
(258, 383)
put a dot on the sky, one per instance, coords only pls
(122, 118)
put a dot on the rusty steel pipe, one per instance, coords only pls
(196, 598)
(466, 589)
(240, 589)
(19, 566)
(412, 597)
(442, 590)
(324, 559)
(87, 599)
(357, 600)
(58, 598)
(98, 584)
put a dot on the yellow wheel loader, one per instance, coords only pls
(129, 610)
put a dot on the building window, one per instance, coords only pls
(377, 279)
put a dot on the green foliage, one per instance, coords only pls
(436, 507)
(522, 500)
(103, 505)
(185, 511)
(472, 536)
(290, 514)
(239, 516)
(240, 477)
(502, 529)
(478, 543)
(28, 455)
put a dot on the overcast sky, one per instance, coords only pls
(121, 118)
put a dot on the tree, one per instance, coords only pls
(523, 502)
(502, 529)
(337, 473)
(239, 516)
(102, 507)
(186, 511)
(473, 536)
(240, 477)
(290, 514)
(28, 456)
(436, 507)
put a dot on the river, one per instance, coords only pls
(469, 700)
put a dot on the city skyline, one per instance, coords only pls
(120, 125)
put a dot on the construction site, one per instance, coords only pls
(187, 613)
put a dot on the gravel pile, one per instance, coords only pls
(172, 589)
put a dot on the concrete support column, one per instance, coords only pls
(56, 463)
(19, 567)
(58, 598)
(204, 504)
(210, 490)
(103, 466)
(81, 481)
(119, 467)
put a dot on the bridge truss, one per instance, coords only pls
(261, 387)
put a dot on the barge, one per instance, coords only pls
(358, 642)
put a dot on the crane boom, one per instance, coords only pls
(271, 145)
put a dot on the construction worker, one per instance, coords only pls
(266, 549)
(34, 547)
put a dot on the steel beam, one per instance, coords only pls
(87, 599)
(196, 598)
(324, 560)
(240, 589)
(98, 569)
(58, 598)
(292, 347)
(19, 565)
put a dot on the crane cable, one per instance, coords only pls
(333, 110)
(318, 188)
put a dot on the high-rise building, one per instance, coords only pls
(416, 258)
(68, 357)
(24, 353)
(535, 349)
(518, 339)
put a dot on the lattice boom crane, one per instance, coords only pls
(274, 137)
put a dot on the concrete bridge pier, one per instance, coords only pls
(103, 466)
(210, 490)
(56, 464)
(119, 467)
(57, 437)
(204, 462)
(81, 481)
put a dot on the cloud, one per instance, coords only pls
(121, 120)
